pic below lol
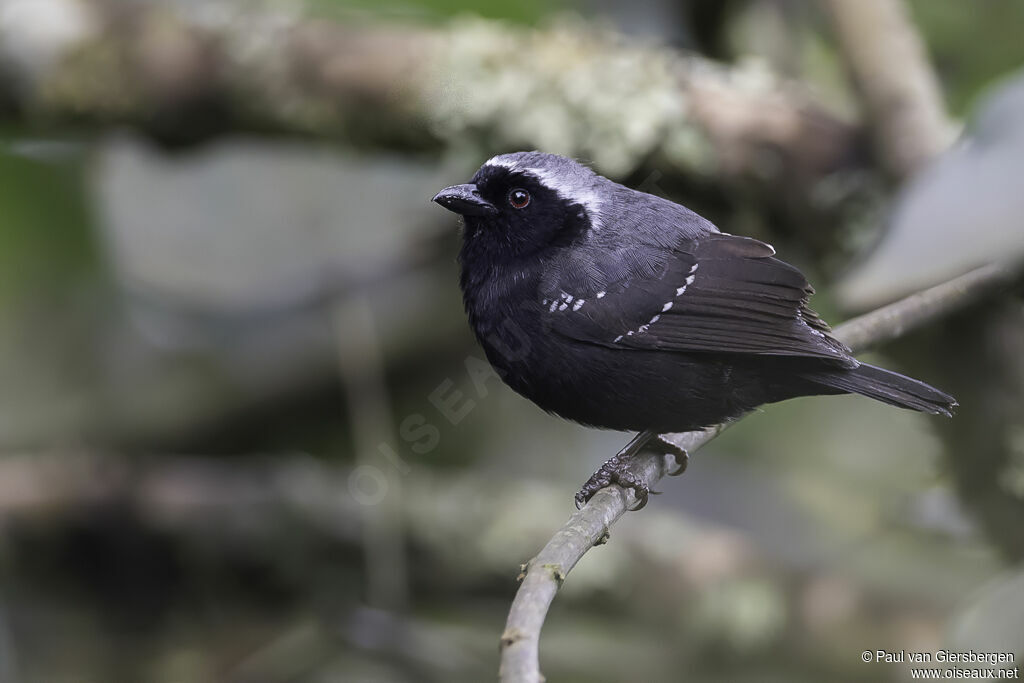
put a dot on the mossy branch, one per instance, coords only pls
(186, 75)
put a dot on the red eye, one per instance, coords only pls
(518, 198)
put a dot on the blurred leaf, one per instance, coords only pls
(971, 43)
(44, 234)
(522, 11)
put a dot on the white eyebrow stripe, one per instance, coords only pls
(580, 192)
(500, 160)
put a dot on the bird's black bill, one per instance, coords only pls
(464, 200)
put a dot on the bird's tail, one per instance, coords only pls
(888, 387)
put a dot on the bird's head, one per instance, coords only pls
(518, 204)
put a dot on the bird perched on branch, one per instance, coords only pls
(622, 310)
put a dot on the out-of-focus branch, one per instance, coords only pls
(570, 87)
(901, 94)
(361, 370)
(544, 574)
(891, 322)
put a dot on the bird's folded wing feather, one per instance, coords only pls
(721, 294)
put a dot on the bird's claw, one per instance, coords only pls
(615, 471)
(679, 455)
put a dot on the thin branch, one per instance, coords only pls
(544, 574)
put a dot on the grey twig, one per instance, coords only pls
(587, 527)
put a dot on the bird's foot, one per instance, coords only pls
(614, 471)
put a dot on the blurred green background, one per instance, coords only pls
(225, 333)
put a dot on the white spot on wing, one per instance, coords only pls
(689, 280)
(666, 307)
(600, 295)
(642, 329)
(578, 305)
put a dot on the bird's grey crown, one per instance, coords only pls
(541, 162)
(637, 216)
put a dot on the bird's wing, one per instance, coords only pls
(721, 294)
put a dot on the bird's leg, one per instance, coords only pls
(616, 469)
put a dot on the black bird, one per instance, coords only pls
(622, 310)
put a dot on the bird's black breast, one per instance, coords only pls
(500, 303)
